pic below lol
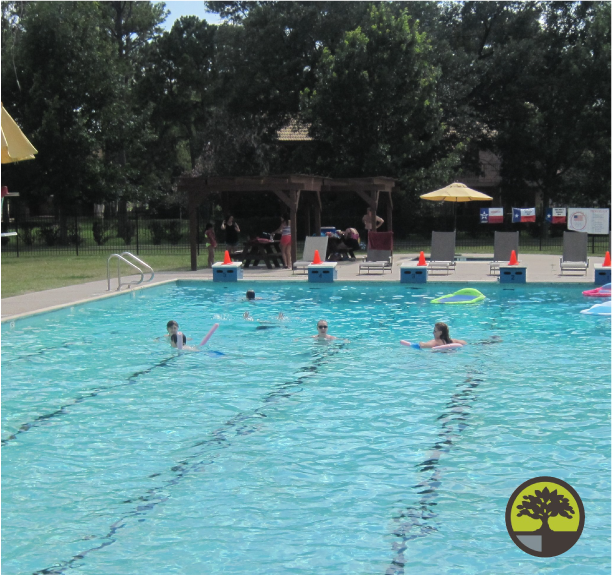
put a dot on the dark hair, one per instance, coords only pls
(175, 339)
(208, 226)
(250, 294)
(444, 336)
(171, 323)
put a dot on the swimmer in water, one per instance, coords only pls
(173, 329)
(322, 327)
(441, 337)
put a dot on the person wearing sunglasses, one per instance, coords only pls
(322, 327)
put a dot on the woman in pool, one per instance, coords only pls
(441, 337)
(322, 331)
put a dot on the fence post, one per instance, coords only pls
(137, 228)
(76, 231)
(17, 230)
(592, 244)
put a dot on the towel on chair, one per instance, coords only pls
(380, 240)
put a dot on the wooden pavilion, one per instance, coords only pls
(288, 188)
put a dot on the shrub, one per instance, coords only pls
(125, 230)
(50, 234)
(26, 235)
(100, 231)
(74, 235)
(173, 231)
(157, 232)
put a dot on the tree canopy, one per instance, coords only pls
(118, 108)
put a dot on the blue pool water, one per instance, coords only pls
(271, 453)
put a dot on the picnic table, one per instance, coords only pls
(261, 249)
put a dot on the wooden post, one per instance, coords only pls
(307, 213)
(193, 229)
(295, 198)
(317, 214)
(389, 213)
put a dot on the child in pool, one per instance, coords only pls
(173, 330)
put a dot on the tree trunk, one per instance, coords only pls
(545, 527)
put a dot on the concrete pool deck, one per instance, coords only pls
(540, 269)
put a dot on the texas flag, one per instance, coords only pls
(556, 215)
(522, 215)
(491, 215)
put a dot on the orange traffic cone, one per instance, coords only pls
(606, 263)
(317, 258)
(227, 259)
(513, 261)
(422, 261)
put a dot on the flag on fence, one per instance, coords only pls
(491, 215)
(556, 215)
(522, 215)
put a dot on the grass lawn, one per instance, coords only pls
(27, 274)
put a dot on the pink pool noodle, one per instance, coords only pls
(209, 334)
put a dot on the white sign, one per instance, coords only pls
(589, 220)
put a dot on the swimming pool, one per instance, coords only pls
(286, 455)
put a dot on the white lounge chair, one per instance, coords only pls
(377, 261)
(442, 256)
(312, 243)
(380, 253)
(504, 243)
(575, 246)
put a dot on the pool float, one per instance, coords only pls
(446, 347)
(603, 291)
(599, 309)
(465, 295)
(209, 334)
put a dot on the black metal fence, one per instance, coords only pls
(142, 235)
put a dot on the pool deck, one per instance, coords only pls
(540, 269)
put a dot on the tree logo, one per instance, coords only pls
(545, 517)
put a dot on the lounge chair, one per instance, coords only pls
(380, 253)
(312, 243)
(442, 256)
(574, 259)
(504, 243)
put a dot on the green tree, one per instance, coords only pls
(537, 82)
(544, 505)
(59, 98)
(374, 104)
(178, 82)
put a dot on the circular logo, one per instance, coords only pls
(545, 516)
(579, 221)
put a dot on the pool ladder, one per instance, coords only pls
(123, 258)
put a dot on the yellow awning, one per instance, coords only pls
(15, 146)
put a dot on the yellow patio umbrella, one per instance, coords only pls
(456, 193)
(15, 146)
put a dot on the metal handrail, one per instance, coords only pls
(120, 259)
(145, 264)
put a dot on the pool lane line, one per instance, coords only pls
(415, 521)
(80, 399)
(221, 440)
(85, 340)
